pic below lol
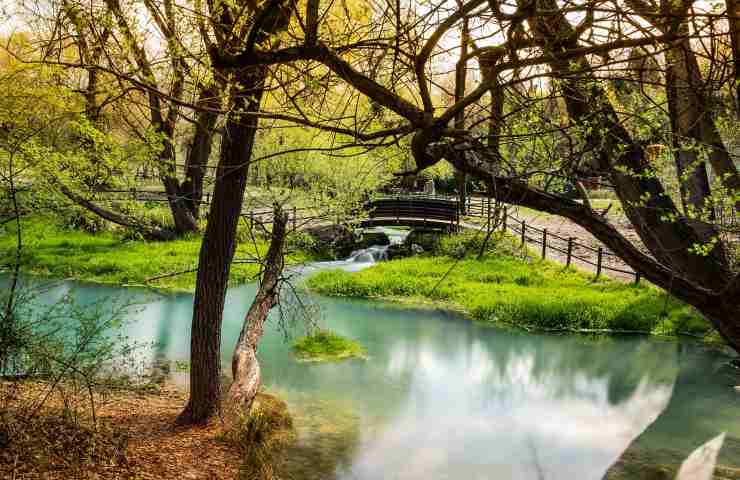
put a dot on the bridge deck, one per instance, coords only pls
(431, 224)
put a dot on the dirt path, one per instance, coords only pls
(585, 244)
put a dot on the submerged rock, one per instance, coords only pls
(369, 239)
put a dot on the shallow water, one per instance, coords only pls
(441, 397)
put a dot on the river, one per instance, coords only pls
(441, 397)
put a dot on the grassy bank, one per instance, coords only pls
(107, 257)
(503, 287)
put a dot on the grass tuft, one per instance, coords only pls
(324, 345)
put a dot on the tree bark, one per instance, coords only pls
(245, 368)
(209, 103)
(664, 231)
(691, 120)
(219, 244)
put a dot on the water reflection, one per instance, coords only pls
(441, 397)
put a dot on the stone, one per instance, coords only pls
(428, 241)
(335, 241)
(369, 239)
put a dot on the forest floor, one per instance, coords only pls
(135, 438)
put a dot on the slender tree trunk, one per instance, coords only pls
(461, 74)
(733, 12)
(686, 121)
(148, 231)
(245, 367)
(200, 148)
(217, 249)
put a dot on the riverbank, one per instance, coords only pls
(504, 287)
(106, 257)
(133, 436)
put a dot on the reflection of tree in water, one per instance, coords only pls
(703, 405)
(327, 437)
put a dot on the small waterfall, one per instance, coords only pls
(372, 254)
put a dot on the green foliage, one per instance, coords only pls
(504, 288)
(53, 251)
(324, 345)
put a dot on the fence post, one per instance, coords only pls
(504, 219)
(395, 207)
(488, 215)
(295, 217)
(544, 243)
(598, 262)
(524, 229)
(637, 278)
(570, 252)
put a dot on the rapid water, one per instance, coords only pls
(441, 397)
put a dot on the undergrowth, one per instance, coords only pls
(507, 286)
(261, 436)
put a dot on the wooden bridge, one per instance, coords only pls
(412, 211)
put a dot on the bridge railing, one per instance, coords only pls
(433, 208)
(433, 212)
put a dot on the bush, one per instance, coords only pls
(67, 355)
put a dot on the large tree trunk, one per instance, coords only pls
(691, 120)
(645, 201)
(245, 368)
(217, 249)
(200, 149)
(686, 121)
(733, 13)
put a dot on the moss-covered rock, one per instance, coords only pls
(368, 239)
(332, 241)
(428, 241)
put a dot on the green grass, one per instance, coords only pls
(506, 289)
(324, 345)
(105, 257)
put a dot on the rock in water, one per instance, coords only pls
(336, 241)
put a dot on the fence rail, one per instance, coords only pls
(481, 207)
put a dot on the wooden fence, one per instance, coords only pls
(600, 258)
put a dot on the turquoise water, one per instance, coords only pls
(441, 397)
